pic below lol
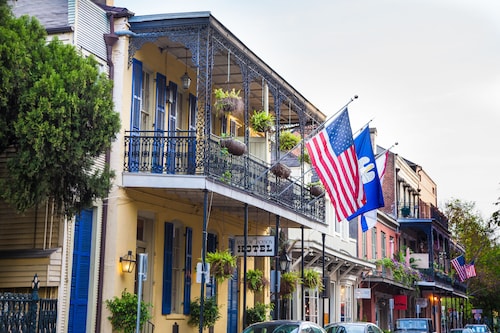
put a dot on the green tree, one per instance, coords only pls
(480, 243)
(57, 117)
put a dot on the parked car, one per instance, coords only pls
(357, 327)
(461, 330)
(478, 328)
(284, 326)
(414, 325)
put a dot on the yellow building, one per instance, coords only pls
(181, 192)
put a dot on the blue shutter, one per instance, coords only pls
(80, 272)
(135, 116)
(187, 270)
(166, 304)
(232, 298)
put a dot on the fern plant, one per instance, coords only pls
(256, 280)
(288, 140)
(312, 279)
(222, 264)
(261, 121)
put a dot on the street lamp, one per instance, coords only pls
(285, 261)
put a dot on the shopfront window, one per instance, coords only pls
(345, 303)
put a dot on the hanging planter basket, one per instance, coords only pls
(228, 102)
(317, 190)
(256, 280)
(233, 146)
(312, 279)
(281, 170)
(261, 121)
(288, 283)
(222, 264)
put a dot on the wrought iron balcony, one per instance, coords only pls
(181, 153)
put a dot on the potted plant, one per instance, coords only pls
(256, 280)
(316, 188)
(281, 170)
(222, 264)
(261, 121)
(227, 101)
(387, 265)
(232, 145)
(259, 313)
(312, 279)
(211, 312)
(288, 140)
(124, 312)
(288, 283)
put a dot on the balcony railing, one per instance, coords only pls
(179, 153)
(433, 275)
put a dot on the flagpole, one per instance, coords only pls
(362, 127)
(382, 153)
(317, 129)
(311, 134)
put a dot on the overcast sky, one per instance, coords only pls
(426, 71)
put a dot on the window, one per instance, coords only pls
(311, 301)
(345, 303)
(176, 268)
(383, 244)
(374, 243)
(179, 113)
(364, 246)
(146, 102)
(337, 226)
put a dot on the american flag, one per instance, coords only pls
(459, 265)
(470, 270)
(333, 156)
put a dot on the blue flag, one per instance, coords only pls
(369, 174)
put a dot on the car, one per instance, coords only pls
(284, 326)
(478, 328)
(352, 327)
(461, 330)
(414, 325)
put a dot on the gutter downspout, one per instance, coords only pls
(109, 39)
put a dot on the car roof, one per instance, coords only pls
(356, 323)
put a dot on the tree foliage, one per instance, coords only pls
(478, 238)
(57, 117)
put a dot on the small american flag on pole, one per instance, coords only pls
(459, 265)
(333, 156)
(470, 270)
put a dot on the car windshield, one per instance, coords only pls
(478, 328)
(355, 328)
(273, 328)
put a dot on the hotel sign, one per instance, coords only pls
(257, 246)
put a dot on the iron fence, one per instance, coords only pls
(21, 313)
